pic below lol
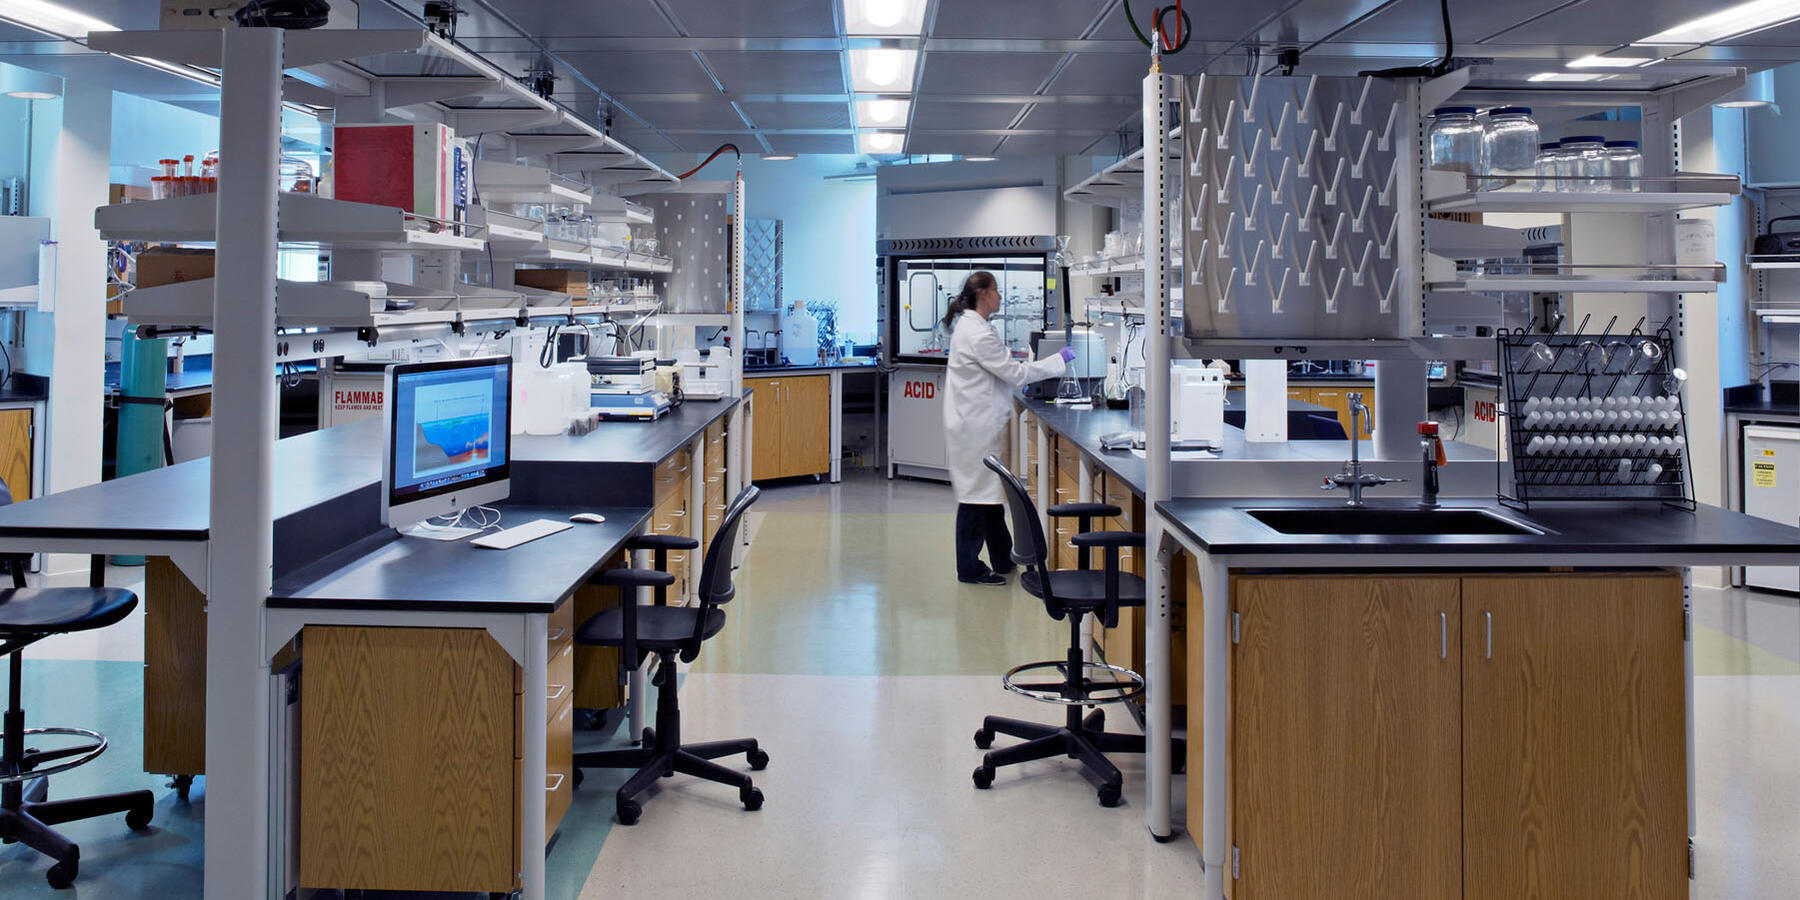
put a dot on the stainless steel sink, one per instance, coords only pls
(1344, 520)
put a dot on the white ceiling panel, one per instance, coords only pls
(706, 143)
(1610, 21)
(715, 113)
(959, 143)
(798, 116)
(648, 73)
(1078, 116)
(1417, 21)
(1103, 74)
(949, 115)
(1046, 144)
(812, 143)
(986, 73)
(762, 18)
(611, 18)
(778, 72)
(1063, 20)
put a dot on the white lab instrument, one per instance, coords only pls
(508, 538)
(800, 336)
(1197, 410)
(1265, 400)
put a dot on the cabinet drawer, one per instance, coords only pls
(671, 515)
(559, 769)
(559, 681)
(672, 475)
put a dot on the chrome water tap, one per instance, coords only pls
(1352, 476)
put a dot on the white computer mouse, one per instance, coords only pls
(588, 518)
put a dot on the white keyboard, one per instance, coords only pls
(519, 534)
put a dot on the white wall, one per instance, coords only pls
(144, 131)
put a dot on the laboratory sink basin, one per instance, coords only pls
(1376, 521)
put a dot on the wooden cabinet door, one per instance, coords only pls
(806, 425)
(766, 445)
(1574, 743)
(1345, 738)
(15, 451)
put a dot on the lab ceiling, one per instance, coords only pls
(994, 76)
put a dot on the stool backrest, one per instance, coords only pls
(716, 587)
(1033, 552)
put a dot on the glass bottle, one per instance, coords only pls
(1509, 146)
(1455, 140)
(1586, 163)
(1546, 166)
(1624, 159)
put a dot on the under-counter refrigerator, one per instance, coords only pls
(1772, 491)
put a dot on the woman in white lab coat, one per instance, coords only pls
(978, 390)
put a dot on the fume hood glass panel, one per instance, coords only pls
(923, 290)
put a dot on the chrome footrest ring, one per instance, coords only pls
(1125, 684)
(88, 754)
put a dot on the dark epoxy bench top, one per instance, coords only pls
(390, 572)
(1222, 526)
(626, 442)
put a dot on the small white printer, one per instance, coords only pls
(1197, 408)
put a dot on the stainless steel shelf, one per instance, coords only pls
(300, 219)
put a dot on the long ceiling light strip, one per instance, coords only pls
(885, 72)
(1726, 23)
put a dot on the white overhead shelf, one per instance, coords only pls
(507, 231)
(1784, 261)
(1599, 284)
(1454, 192)
(618, 209)
(569, 254)
(1122, 182)
(508, 183)
(349, 304)
(21, 295)
(300, 219)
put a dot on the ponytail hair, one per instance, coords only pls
(979, 280)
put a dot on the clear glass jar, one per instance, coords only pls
(1509, 146)
(1586, 163)
(1545, 169)
(1455, 140)
(1624, 159)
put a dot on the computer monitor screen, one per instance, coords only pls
(446, 449)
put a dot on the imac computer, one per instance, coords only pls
(446, 443)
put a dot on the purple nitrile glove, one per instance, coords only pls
(1067, 353)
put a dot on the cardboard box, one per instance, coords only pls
(168, 265)
(573, 282)
(411, 167)
(126, 193)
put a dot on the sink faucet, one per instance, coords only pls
(1352, 476)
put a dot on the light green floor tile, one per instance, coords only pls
(1717, 653)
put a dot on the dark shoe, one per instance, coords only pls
(989, 578)
(1006, 571)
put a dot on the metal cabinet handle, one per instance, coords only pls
(679, 514)
(1443, 635)
(555, 695)
(558, 634)
(1490, 634)
(552, 787)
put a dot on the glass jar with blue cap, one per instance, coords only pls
(1624, 160)
(1454, 141)
(1510, 147)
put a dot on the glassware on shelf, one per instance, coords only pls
(296, 175)
(1624, 159)
(1547, 155)
(1455, 140)
(1586, 163)
(1509, 146)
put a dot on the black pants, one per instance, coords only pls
(978, 524)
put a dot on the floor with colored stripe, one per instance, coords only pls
(863, 667)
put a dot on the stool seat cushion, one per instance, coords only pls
(36, 611)
(1084, 590)
(658, 627)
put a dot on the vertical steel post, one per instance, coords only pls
(1156, 451)
(242, 518)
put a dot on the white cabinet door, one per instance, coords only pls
(1772, 491)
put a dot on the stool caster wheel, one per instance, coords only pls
(758, 759)
(139, 819)
(62, 874)
(984, 738)
(984, 778)
(578, 777)
(628, 812)
(1110, 795)
(751, 797)
(1178, 765)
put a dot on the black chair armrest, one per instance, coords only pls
(634, 578)
(661, 542)
(1085, 510)
(1108, 539)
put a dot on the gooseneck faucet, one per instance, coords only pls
(1352, 476)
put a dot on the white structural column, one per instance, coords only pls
(1398, 406)
(78, 360)
(1156, 451)
(242, 523)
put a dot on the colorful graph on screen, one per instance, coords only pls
(454, 425)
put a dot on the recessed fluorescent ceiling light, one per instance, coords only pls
(882, 113)
(882, 70)
(880, 142)
(779, 156)
(883, 17)
(1728, 22)
(1569, 76)
(1610, 62)
(978, 159)
(49, 17)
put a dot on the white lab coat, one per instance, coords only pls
(978, 387)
